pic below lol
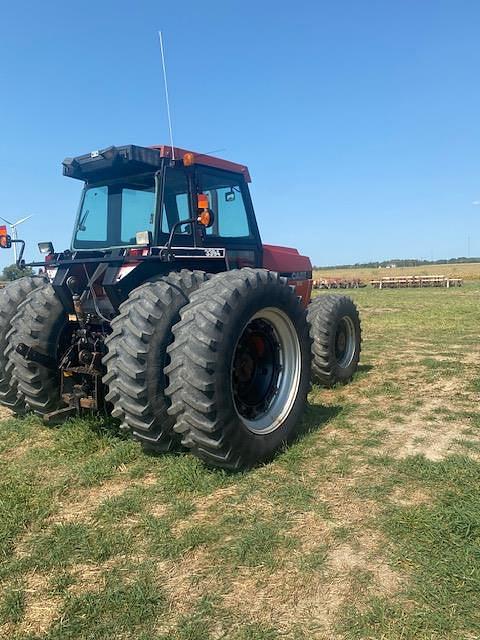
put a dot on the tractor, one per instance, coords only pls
(169, 313)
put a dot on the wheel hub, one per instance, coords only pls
(341, 341)
(256, 369)
(345, 342)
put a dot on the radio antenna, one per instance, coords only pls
(162, 52)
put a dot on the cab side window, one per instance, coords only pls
(226, 201)
(92, 223)
(232, 215)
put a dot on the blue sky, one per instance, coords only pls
(359, 120)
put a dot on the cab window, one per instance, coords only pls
(175, 202)
(92, 222)
(138, 212)
(112, 214)
(227, 203)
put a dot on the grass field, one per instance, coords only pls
(465, 271)
(367, 527)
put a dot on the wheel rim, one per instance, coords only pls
(266, 369)
(345, 342)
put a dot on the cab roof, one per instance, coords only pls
(132, 159)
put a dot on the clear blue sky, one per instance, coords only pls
(360, 121)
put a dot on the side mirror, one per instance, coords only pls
(230, 196)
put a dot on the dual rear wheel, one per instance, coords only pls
(240, 368)
(220, 364)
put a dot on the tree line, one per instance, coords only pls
(408, 262)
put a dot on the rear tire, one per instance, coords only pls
(240, 368)
(336, 334)
(39, 323)
(11, 297)
(137, 356)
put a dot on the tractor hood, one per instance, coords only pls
(285, 260)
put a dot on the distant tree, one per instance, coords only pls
(12, 272)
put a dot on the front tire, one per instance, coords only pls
(240, 368)
(336, 339)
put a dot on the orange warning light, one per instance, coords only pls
(202, 201)
(188, 159)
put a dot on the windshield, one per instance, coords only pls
(111, 215)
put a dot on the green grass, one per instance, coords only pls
(368, 526)
(12, 608)
(127, 607)
(438, 546)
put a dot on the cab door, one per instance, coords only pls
(234, 225)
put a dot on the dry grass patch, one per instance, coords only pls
(88, 577)
(207, 508)
(426, 430)
(82, 504)
(5, 413)
(91, 577)
(185, 583)
(41, 607)
(28, 447)
(292, 597)
(408, 497)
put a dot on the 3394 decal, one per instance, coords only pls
(213, 253)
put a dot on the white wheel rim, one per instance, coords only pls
(284, 377)
(347, 328)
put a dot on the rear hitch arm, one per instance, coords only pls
(30, 354)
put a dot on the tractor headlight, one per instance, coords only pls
(144, 237)
(45, 248)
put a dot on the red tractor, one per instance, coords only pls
(169, 312)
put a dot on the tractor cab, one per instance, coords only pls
(161, 197)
